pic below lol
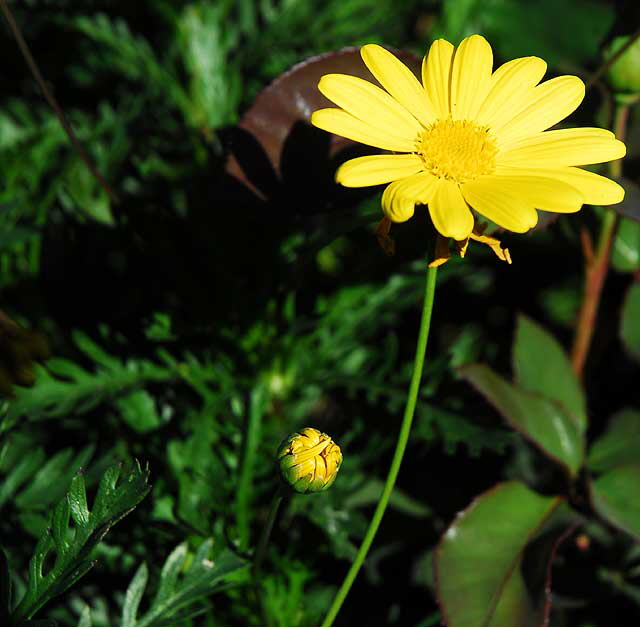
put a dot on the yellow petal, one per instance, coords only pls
(563, 147)
(399, 81)
(341, 123)
(508, 210)
(369, 103)
(377, 169)
(436, 71)
(548, 103)
(537, 190)
(510, 87)
(595, 189)
(400, 197)
(449, 211)
(470, 77)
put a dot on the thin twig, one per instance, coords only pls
(26, 53)
(597, 262)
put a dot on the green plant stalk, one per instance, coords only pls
(598, 266)
(266, 533)
(261, 552)
(250, 450)
(398, 454)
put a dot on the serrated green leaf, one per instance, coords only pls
(204, 577)
(116, 497)
(51, 480)
(543, 421)
(77, 498)
(619, 445)
(170, 572)
(133, 596)
(614, 496)
(479, 556)
(138, 410)
(541, 365)
(60, 523)
(25, 468)
(630, 323)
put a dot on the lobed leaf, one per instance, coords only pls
(73, 546)
(175, 593)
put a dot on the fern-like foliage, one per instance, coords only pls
(117, 495)
(64, 387)
(180, 591)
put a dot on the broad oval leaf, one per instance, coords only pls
(541, 365)
(619, 445)
(543, 421)
(615, 497)
(477, 562)
(630, 323)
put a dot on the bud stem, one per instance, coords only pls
(266, 532)
(398, 454)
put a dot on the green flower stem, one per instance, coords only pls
(597, 266)
(398, 454)
(266, 532)
(261, 551)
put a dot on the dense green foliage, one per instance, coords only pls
(192, 324)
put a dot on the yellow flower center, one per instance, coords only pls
(457, 150)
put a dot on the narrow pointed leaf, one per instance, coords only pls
(543, 421)
(477, 563)
(134, 596)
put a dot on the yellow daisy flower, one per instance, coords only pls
(471, 138)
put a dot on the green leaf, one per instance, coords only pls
(477, 561)
(205, 576)
(5, 588)
(620, 445)
(625, 254)
(614, 496)
(73, 546)
(138, 410)
(64, 387)
(517, 28)
(541, 365)
(85, 617)
(24, 469)
(369, 494)
(630, 325)
(545, 422)
(133, 596)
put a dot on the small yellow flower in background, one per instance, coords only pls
(472, 139)
(309, 460)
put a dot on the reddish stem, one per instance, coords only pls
(597, 263)
(53, 103)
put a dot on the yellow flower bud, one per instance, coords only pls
(309, 460)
